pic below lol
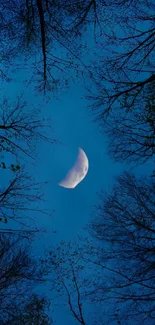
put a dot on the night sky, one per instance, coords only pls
(72, 124)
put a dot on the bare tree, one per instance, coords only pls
(125, 63)
(18, 272)
(42, 27)
(33, 311)
(16, 264)
(70, 280)
(132, 133)
(20, 128)
(19, 204)
(19, 276)
(123, 77)
(125, 225)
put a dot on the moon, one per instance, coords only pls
(77, 173)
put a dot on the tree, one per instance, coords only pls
(123, 77)
(132, 133)
(19, 275)
(44, 27)
(71, 279)
(126, 63)
(124, 225)
(20, 128)
(19, 204)
(115, 274)
(32, 312)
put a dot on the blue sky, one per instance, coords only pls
(73, 126)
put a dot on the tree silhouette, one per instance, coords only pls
(125, 63)
(20, 128)
(33, 311)
(115, 272)
(19, 204)
(70, 280)
(39, 27)
(132, 133)
(125, 225)
(19, 275)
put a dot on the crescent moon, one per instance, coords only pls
(77, 173)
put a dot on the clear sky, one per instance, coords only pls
(73, 126)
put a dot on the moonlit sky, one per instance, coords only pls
(73, 126)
